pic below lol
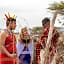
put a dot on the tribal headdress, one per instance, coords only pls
(8, 18)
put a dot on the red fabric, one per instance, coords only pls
(53, 40)
(44, 37)
(5, 59)
(9, 43)
(9, 47)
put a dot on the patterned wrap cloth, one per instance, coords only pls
(44, 37)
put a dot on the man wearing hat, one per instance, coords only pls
(7, 42)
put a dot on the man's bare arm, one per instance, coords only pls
(3, 36)
(2, 43)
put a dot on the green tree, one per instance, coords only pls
(57, 6)
(37, 30)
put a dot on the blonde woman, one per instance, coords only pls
(25, 47)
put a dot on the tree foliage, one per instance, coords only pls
(37, 28)
(57, 6)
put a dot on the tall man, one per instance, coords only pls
(7, 42)
(44, 36)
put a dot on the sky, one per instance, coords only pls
(28, 12)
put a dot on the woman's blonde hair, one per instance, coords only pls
(21, 33)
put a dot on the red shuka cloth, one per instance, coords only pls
(4, 59)
(44, 37)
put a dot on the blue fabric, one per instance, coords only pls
(24, 53)
(25, 58)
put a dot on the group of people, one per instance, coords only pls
(14, 51)
(20, 51)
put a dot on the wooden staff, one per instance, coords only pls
(50, 36)
(13, 45)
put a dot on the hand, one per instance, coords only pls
(31, 59)
(18, 60)
(12, 55)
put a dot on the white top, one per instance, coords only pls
(20, 48)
